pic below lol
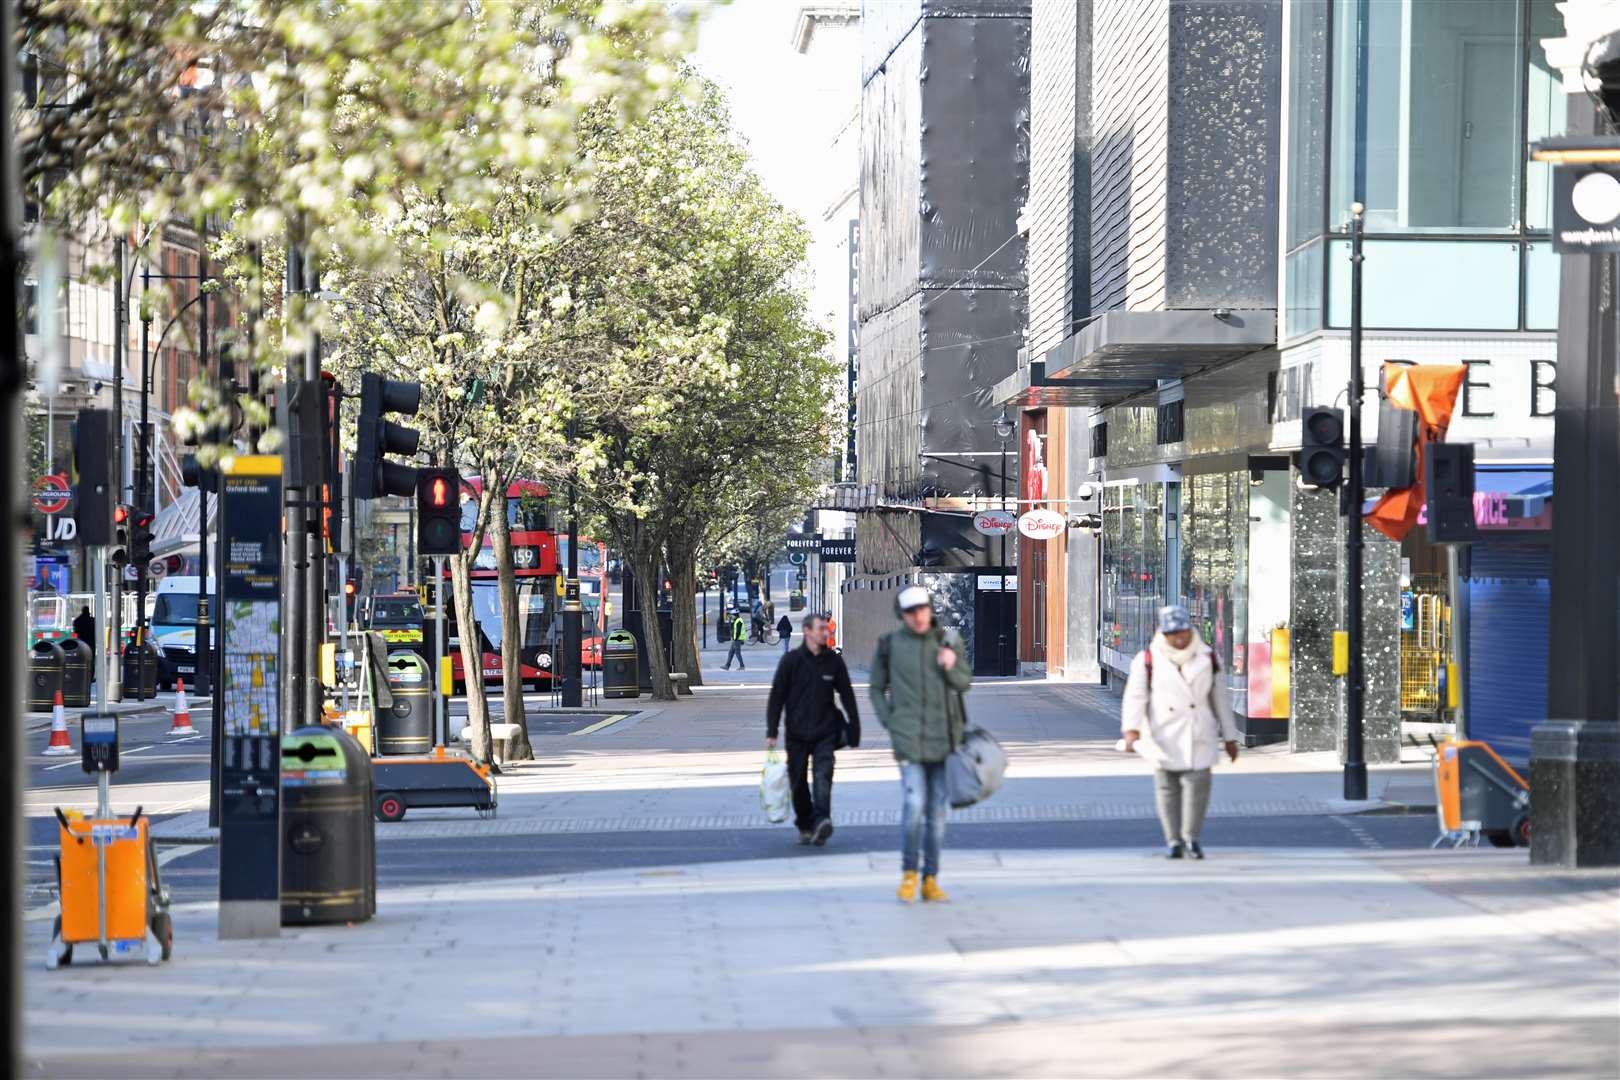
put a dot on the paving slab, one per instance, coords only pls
(1045, 963)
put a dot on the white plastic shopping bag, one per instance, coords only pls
(774, 793)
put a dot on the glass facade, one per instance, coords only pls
(1133, 577)
(1215, 564)
(1433, 139)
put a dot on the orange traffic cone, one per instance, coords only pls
(182, 712)
(60, 743)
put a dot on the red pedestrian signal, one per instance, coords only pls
(438, 512)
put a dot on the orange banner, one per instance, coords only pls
(1430, 390)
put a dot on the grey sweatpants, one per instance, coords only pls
(1183, 797)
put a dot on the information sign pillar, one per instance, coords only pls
(249, 625)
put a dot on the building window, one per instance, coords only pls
(1099, 440)
(1546, 111)
(1303, 290)
(1429, 284)
(1442, 103)
(1307, 121)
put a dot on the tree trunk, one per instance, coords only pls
(683, 623)
(646, 556)
(472, 658)
(518, 749)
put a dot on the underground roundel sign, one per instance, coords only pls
(51, 494)
(1042, 524)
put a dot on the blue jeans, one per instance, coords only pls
(922, 815)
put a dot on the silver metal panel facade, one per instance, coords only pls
(1222, 185)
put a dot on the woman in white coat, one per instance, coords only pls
(1177, 714)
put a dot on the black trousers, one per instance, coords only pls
(812, 794)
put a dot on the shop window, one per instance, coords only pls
(1099, 440)
(1214, 562)
(1442, 106)
(1429, 284)
(1133, 565)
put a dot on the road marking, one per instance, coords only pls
(600, 724)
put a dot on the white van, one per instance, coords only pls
(174, 628)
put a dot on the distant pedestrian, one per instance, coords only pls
(804, 685)
(84, 628)
(784, 630)
(739, 634)
(918, 677)
(1176, 714)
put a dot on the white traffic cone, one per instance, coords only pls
(60, 743)
(182, 712)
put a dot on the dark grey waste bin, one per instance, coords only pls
(329, 838)
(619, 675)
(75, 673)
(141, 671)
(406, 727)
(45, 662)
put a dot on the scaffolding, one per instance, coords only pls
(1426, 650)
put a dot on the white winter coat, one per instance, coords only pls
(1187, 714)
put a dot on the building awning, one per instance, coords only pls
(175, 526)
(1120, 353)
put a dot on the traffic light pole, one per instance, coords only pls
(295, 618)
(1355, 763)
(315, 542)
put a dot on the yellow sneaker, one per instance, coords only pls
(908, 887)
(932, 893)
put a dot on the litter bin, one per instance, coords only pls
(45, 662)
(619, 676)
(75, 673)
(141, 671)
(406, 726)
(329, 839)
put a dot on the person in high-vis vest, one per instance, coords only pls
(739, 634)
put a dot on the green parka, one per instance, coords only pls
(919, 703)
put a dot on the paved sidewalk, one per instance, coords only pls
(694, 764)
(1045, 964)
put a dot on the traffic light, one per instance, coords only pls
(1449, 473)
(120, 533)
(438, 512)
(1321, 453)
(193, 474)
(140, 539)
(92, 460)
(374, 475)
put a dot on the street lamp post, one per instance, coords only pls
(1004, 432)
(1355, 762)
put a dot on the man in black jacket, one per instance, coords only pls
(805, 682)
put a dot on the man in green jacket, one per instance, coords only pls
(918, 676)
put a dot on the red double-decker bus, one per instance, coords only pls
(539, 557)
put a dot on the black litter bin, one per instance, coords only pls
(141, 671)
(619, 676)
(76, 657)
(406, 726)
(329, 838)
(45, 662)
